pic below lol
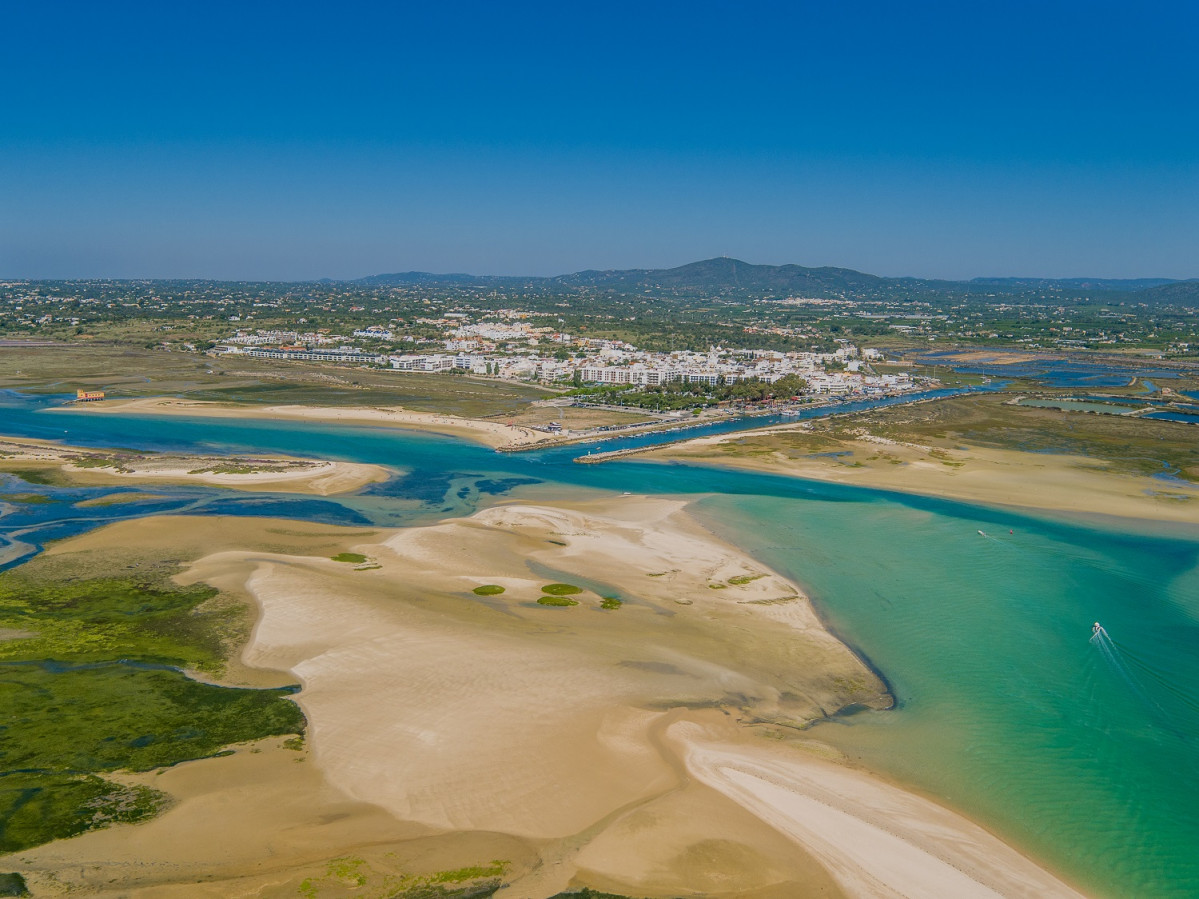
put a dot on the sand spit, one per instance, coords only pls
(655, 749)
(492, 433)
(875, 839)
(271, 473)
(996, 477)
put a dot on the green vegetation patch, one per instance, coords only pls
(742, 579)
(38, 807)
(353, 873)
(28, 499)
(96, 688)
(355, 558)
(116, 499)
(121, 715)
(561, 589)
(562, 601)
(94, 462)
(488, 590)
(109, 619)
(46, 477)
(13, 884)
(610, 602)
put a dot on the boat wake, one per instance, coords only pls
(1134, 672)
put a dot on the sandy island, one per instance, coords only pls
(492, 433)
(996, 477)
(656, 749)
(270, 473)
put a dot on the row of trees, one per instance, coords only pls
(679, 395)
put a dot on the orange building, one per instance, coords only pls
(87, 396)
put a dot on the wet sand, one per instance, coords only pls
(89, 466)
(492, 433)
(995, 477)
(656, 749)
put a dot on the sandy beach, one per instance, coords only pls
(270, 473)
(656, 749)
(493, 433)
(1051, 482)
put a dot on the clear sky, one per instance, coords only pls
(292, 140)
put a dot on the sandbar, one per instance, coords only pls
(656, 749)
(496, 434)
(990, 476)
(262, 472)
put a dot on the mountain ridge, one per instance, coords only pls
(724, 273)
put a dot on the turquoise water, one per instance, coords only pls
(1006, 710)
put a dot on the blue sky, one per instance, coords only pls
(294, 140)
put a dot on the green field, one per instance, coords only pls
(128, 371)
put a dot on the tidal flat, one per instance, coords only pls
(93, 683)
(334, 626)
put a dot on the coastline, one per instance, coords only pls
(1056, 483)
(994, 477)
(670, 728)
(490, 433)
(90, 466)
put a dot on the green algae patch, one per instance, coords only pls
(350, 873)
(95, 685)
(110, 618)
(354, 558)
(13, 884)
(27, 499)
(559, 601)
(742, 579)
(488, 590)
(38, 807)
(561, 589)
(117, 499)
(610, 602)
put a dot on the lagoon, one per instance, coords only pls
(1005, 709)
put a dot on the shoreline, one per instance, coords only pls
(1055, 483)
(503, 438)
(89, 466)
(490, 433)
(669, 722)
(1012, 479)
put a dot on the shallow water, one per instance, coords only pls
(1006, 710)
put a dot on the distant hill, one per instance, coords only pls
(718, 274)
(724, 275)
(1175, 293)
(1074, 283)
(401, 279)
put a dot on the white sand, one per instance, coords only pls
(620, 749)
(876, 839)
(1054, 482)
(273, 473)
(492, 433)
